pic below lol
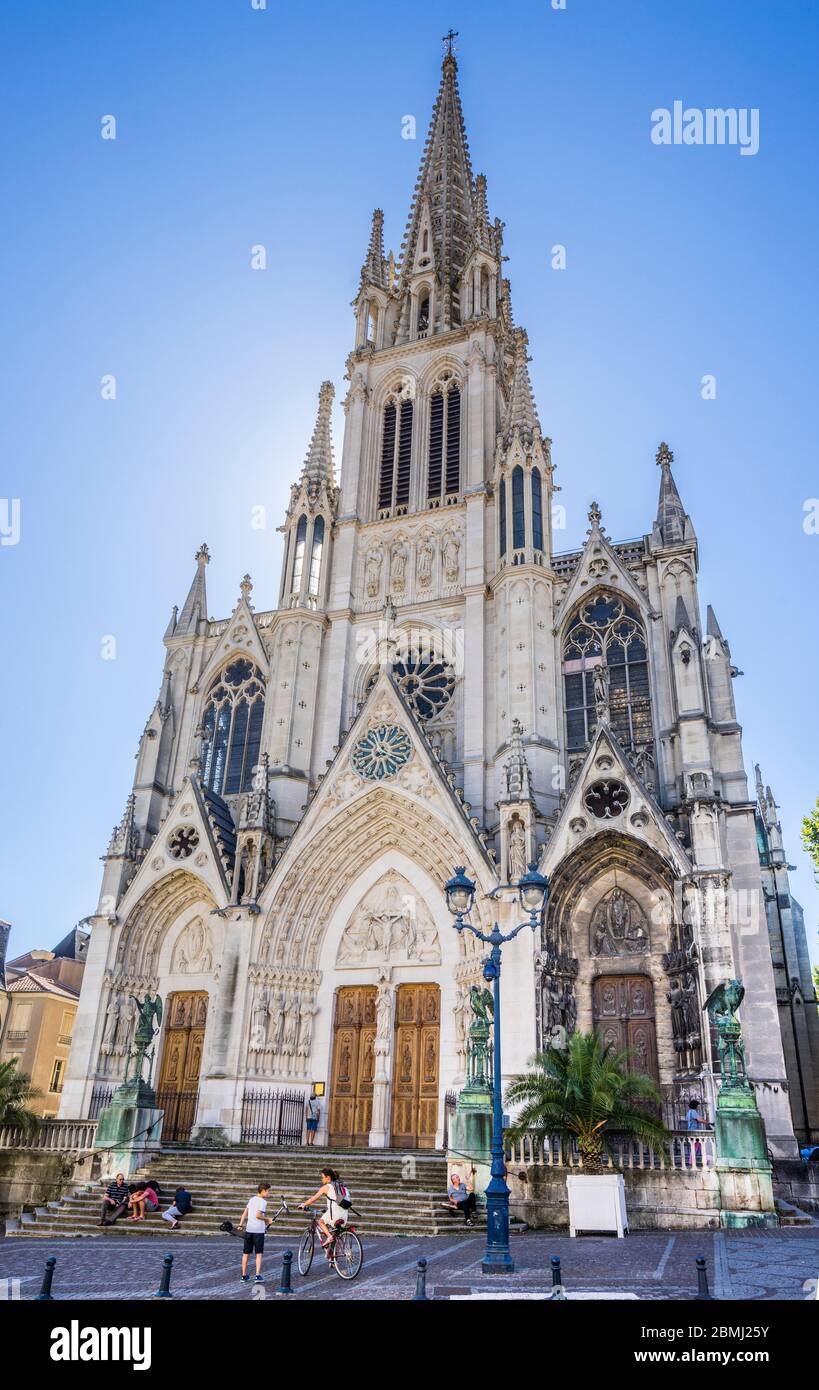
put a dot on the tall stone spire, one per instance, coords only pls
(444, 194)
(318, 466)
(521, 413)
(373, 269)
(672, 525)
(196, 604)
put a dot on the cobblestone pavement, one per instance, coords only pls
(648, 1265)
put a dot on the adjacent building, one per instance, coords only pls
(43, 991)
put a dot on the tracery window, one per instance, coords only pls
(518, 511)
(232, 726)
(605, 644)
(502, 516)
(444, 455)
(396, 453)
(537, 510)
(425, 679)
(316, 551)
(298, 555)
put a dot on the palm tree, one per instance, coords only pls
(16, 1093)
(585, 1091)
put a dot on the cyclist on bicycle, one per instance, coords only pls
(334, 1215)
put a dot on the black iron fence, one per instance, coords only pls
(179, 1116)
(100, 1097)
(272, 1117)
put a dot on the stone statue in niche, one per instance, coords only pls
(258, 1028)
(372, 573)
(398, 568)
(112, 1025)
(517, 849)
(618, 926)
(307, 1013)
(424, 564)
(451, 551)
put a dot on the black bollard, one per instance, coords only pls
(420, 1295)
(285, 1285)
(45, 1290)
(557, 1279)
(702, 1279)
(164, 1290)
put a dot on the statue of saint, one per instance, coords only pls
(517, 850)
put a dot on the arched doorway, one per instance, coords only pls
(351, 1096)
(178, 1090)
(416, 1066)
(623, 1007)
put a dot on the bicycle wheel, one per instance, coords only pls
(307, 1250)
(348, 1256)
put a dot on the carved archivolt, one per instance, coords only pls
(143, 933)
(391, 926)
(338, 854)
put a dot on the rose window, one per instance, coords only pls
(381, 752)
(425, 682)
(183, 842)
(607, 799)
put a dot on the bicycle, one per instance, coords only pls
(344, 1251)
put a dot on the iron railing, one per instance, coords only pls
(179, 1114)
(272, 1117)
(101, 1096)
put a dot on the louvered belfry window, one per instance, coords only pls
(444, 456)
(396, 456)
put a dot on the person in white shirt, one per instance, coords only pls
(256, 1221)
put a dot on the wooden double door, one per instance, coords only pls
(351, 1096)
(624, 1016)
(178, 1089)
(415, 1066)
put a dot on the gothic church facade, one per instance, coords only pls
(437, 687)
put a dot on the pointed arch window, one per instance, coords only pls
(518, 510)
(316, 551)
(605, 647)
(537, 510)
(502, 517)
(232, 728)
(396, 457)
(298, 555)
(444, 454)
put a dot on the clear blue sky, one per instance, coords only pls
(283, 127)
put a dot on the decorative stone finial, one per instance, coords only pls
(202, 556)
(246, 586)
(664, 455)
(595, 514)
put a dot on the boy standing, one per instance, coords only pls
(257, 1221)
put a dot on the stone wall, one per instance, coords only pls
(31, 1177)
(797, 1182)
(669, 1199)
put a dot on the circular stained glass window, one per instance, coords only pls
(607, 799)
(381, 752)
(425, 682)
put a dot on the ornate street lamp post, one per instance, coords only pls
(533, 893)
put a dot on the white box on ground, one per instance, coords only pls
(597, 1202)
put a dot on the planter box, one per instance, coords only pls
(597, 1202)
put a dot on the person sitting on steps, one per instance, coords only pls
(461, 1198)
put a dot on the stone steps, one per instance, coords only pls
(396, 1194)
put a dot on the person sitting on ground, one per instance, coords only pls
(461, 1198)
(180, 1206)
(144, 1199)
(115, 1201)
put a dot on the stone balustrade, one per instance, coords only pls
(75, 1136)
(680, 1151)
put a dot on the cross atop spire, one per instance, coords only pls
(444, 195)
(448, 41)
